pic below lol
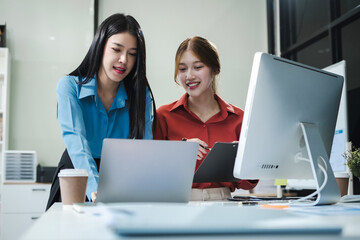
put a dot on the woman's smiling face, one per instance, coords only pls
(194, 76)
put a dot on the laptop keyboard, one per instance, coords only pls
(249, 200)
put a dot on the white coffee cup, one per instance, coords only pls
(73, 185)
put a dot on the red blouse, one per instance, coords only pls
(175, 121)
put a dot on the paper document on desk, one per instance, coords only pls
(326, 210)
(175, 219)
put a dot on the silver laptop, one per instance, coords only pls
(146, 170)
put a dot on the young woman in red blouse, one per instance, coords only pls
(200, 114)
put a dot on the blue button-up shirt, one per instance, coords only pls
(85, 123)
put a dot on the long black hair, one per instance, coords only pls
(135, 82)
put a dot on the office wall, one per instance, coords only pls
(236, 27)
(48, 39)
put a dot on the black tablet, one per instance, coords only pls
(218, 165)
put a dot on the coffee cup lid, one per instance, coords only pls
(73, 173)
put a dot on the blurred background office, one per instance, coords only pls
(47, 39)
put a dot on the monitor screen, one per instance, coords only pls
(289, 122)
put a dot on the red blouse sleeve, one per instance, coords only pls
(246, 184)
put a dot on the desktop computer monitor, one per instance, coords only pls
(288, 126)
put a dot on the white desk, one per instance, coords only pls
(60, 223)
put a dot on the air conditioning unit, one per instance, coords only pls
(20, 166)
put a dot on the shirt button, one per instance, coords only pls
(204, 126)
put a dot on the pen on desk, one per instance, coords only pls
(207, 148)
(249, 203)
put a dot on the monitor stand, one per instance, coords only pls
(329, 193)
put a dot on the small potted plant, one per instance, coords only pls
(353, 161)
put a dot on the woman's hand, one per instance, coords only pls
(203, 147)
(93, 196)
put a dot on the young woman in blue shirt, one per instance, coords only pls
(107, 96)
